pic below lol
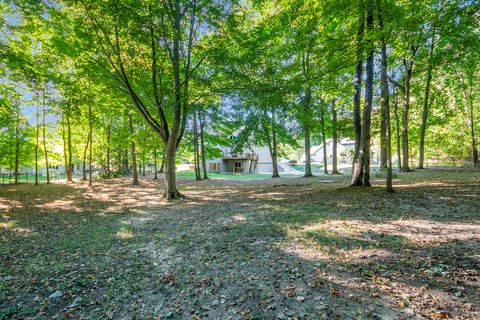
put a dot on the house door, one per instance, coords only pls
(238, 167)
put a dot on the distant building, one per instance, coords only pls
(344, 148)
(256, 159)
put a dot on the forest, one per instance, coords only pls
(239, 159)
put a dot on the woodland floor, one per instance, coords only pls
(289, 248)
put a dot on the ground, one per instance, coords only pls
(288, 248)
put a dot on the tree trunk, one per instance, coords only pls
(423, 130)
(470, 120)
(90, 135)
(272, 144)
(357, 173)
(155, 173)
(334, 138)
(171, 191)
(133, 151)
(385, 103)
(406, 109)
(364, 155)
(324, 141)
(308, 163)
(45, 140)
(37, 134)
(108, 149)
(196, 159)
(397, 133)
(65, 147)
(202, 145)
(69, 139)
(84, 165)
(17, 147)
(162, 166)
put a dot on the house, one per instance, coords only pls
(344, 147)
(255, 160)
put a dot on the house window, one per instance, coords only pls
(214, 166)
(238, 164)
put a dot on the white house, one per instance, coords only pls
(344, 146)
(254, 159)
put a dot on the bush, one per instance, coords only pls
(109, 175)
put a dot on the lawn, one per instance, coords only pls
(260, 248)
(233, 176)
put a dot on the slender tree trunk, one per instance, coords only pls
(357, 173)
(162, 166)
(324, 142)
(17, 147)
(470, 120)
(383, 137)
(202, 145)
(37, 134)
(397, 133)
(306, 120)
(367, 109)
(45, 140)
(406, 109)
(476, 161)
(84, 165)
(196, 159)
(423, 130)
(334, 138)
(65, 147)
(308, 163)
(272, 144)
(69, 139)
(133, 151)
(90, 137)
(108, 149)
(385, 103)
(155, 173)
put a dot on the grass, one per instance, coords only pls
(243, 249)
(232, 176)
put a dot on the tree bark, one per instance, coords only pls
(45, 139)
(202, 145)
(196, 159)
(357, 173)
(90, 134)
(324, 142)
(155, 173)
(308, 163)
(364, 155)
(162, 166)
(397, 133)
(108, 149)
(133, 151)
(69, 139)
(334, 138)
(272, 143)
(423, 129)
(406, 109)
(65, 147)
(306, 129)
(385, 103)
(470, 121)
(17, 146)
(84, 165)
(37, 134)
